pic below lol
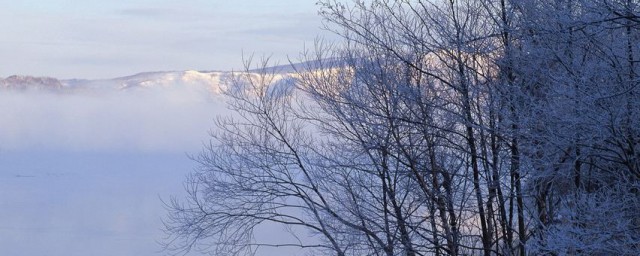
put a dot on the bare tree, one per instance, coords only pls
(435, 128)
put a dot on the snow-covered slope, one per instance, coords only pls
(210, 80)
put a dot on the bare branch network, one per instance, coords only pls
(472, 127)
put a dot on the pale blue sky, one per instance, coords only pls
(104, 39)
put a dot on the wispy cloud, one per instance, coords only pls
(146, 12)
(150, 35)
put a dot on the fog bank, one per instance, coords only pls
(83, 173)
(174, 119)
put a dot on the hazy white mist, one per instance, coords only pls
(83, 173)
(150, 120)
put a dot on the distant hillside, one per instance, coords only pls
(31, 82)
(209, 80)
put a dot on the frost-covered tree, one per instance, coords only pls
(582, 107)
(470, 127)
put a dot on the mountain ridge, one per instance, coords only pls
(210, 79)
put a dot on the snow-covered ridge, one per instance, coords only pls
(215, 82)
(211, 80)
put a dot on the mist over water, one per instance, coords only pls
(83, 173)
(169, 119)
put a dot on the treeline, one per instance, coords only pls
(476, 127)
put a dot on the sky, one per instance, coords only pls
(96, 39)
